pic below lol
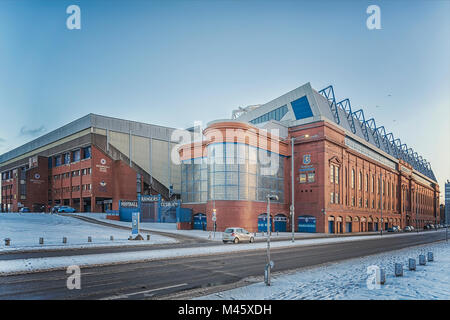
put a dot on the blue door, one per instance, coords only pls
(280, 222)
(306, 224)
(330, 226)
(200, 221)
(348, 227)
(262, 223)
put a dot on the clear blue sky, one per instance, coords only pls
(174, 62)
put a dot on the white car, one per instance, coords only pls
(237, 235)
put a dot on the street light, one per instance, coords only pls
(381, 201)
(269, 264)
(292, 208)
(417, 209)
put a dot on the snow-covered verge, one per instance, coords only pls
(47, 263)
(348, 279)
(25, 229)
(205, 235)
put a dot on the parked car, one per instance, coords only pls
(54, 209)
(237, 235)
(428, 227)
(24, 209)
(394, 229)
(408, 229)
(66, 209)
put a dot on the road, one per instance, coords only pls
(183, 241)
(154, 279)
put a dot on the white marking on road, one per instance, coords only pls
(127, 295)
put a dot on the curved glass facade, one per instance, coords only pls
(233, 171)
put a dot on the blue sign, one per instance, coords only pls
(306, 224)
(135, 223)
(307, 159)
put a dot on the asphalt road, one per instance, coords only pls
(183, 241)
(155, 279)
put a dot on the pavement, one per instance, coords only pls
(187, 277)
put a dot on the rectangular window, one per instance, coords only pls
(336, 175)
(66, 158)
(311, 176)
(57, 161)
(353, 178)
(87, 152)
(302, 177)
(76, 155)
(346, 177)
(332, 197)
(331, 173)
(360, 181)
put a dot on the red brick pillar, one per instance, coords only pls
(93, 204)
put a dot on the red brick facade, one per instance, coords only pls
(84, 184)
(346, 201)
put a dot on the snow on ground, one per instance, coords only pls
(25, 229)
(348, 279)
(34, 264)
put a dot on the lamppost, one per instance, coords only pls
(292, 189)
(417, 209)
(269, 264)
(446, 226)
(381, 201)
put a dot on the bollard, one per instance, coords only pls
(412, 264)
(398, 270)
(111, 238)
(148, 237)
(64, 240)
(382, 279)
(7, 241)
(430, 256)
(41, 240)
(422, 260)
(89, 239)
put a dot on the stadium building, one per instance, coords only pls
(349, 174)
(90, 164)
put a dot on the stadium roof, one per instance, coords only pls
(88, 121)
(304, 104)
